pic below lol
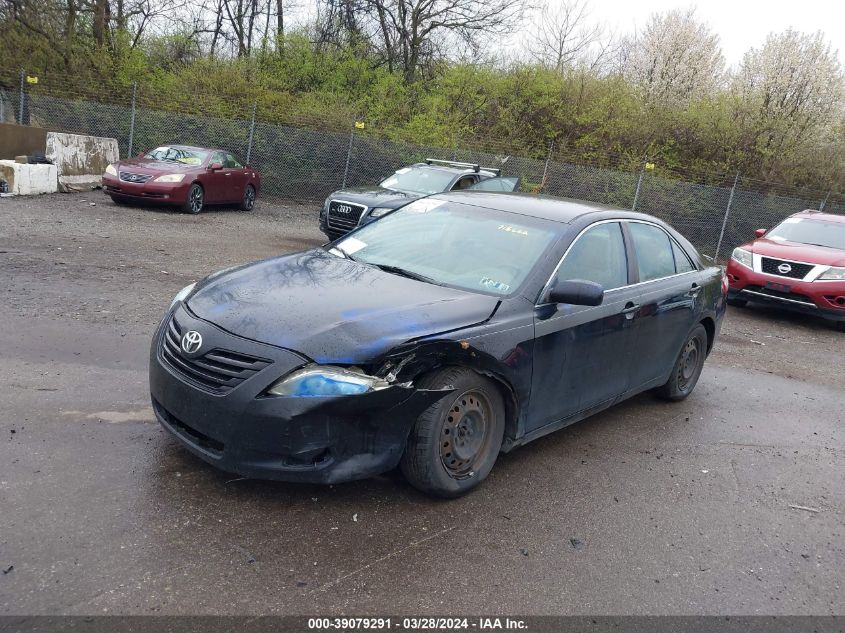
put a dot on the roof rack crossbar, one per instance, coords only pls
(474, 166)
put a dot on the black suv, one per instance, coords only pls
(347, 209)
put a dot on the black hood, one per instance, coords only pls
(376, 196)
(331, 309)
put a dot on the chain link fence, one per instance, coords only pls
(304, 165)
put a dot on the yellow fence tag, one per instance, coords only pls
(649, 165)
(359, 125)
(31, 80)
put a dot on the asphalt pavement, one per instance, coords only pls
(729, 502)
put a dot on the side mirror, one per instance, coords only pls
(140, 154)
(215, 166)
(578, 292)
(761, 232)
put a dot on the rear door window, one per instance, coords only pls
(597, 255)
(682, 262)
(655, 257)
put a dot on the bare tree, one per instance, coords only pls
(676, 58)
(561, 34)
(410, 34)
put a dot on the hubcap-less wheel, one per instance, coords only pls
(249, 198)
(689, 363)
(195, 199)
(465, 434)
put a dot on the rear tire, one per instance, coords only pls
(455, 442)
(248, 201)
(195, 200)
(839, 325)
(687, 368)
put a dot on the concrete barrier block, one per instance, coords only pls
(81, 160)
(28, 180)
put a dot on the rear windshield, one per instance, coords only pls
(807, 231)
(419, 180)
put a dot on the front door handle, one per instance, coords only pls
(630, 309)
(693, 292)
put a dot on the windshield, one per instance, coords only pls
(419, 180)
(806, 231)
(178, 155)
(454, 244)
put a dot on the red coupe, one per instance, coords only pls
(188, 177)
(798, 265)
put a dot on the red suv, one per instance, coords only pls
(799, 265)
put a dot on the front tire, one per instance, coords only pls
(455, 442)
(687, 368)
(248, 201)
(738, 303)
(119, 201)
(195, 201)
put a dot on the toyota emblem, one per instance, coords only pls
(191, 342)
(784, 268)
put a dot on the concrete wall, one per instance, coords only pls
(27, 180)
(21, 140)
(81, 160)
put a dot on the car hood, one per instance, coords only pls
(148, 166)
(376, 197)
(798, 252)
(331, 309)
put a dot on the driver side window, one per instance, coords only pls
(597, 255)
(217, 157)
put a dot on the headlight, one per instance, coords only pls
(833, 274)
(325, 380)
(742, 256)
(378, 212)
(111, 170)
(181, 295)
(170, 178)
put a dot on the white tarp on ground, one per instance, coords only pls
(80, 160)
(27, 180)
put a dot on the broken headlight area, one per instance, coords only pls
(326, 380)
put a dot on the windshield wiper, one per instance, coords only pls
(345, 253)
(397, 270)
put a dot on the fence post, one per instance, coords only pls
(20, 110)
(725, 219)
(639, 185)
(546, 165)
(251, 132)
(348, 156)
(824, 202)
(132, 119)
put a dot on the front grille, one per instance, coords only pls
(344, 215)
(796, 271)
(128, 176)
(217, 371)
(777, 294)
(196, 437)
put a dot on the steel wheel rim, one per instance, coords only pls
(465, 434)
(689, 363)
(249, 197)
(196, 199)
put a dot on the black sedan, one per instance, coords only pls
(458, 327)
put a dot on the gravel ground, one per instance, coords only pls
(646, 508)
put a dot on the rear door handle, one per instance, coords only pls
(630, 309)
(693, 292)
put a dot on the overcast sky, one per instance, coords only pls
(740, 24)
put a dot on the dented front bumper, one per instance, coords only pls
(313, 439)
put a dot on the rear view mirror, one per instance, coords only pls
(760, 232)
(578, 292)
(215, 166)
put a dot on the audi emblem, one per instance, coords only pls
(784, 268)
(191, 342)
(344, 209)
